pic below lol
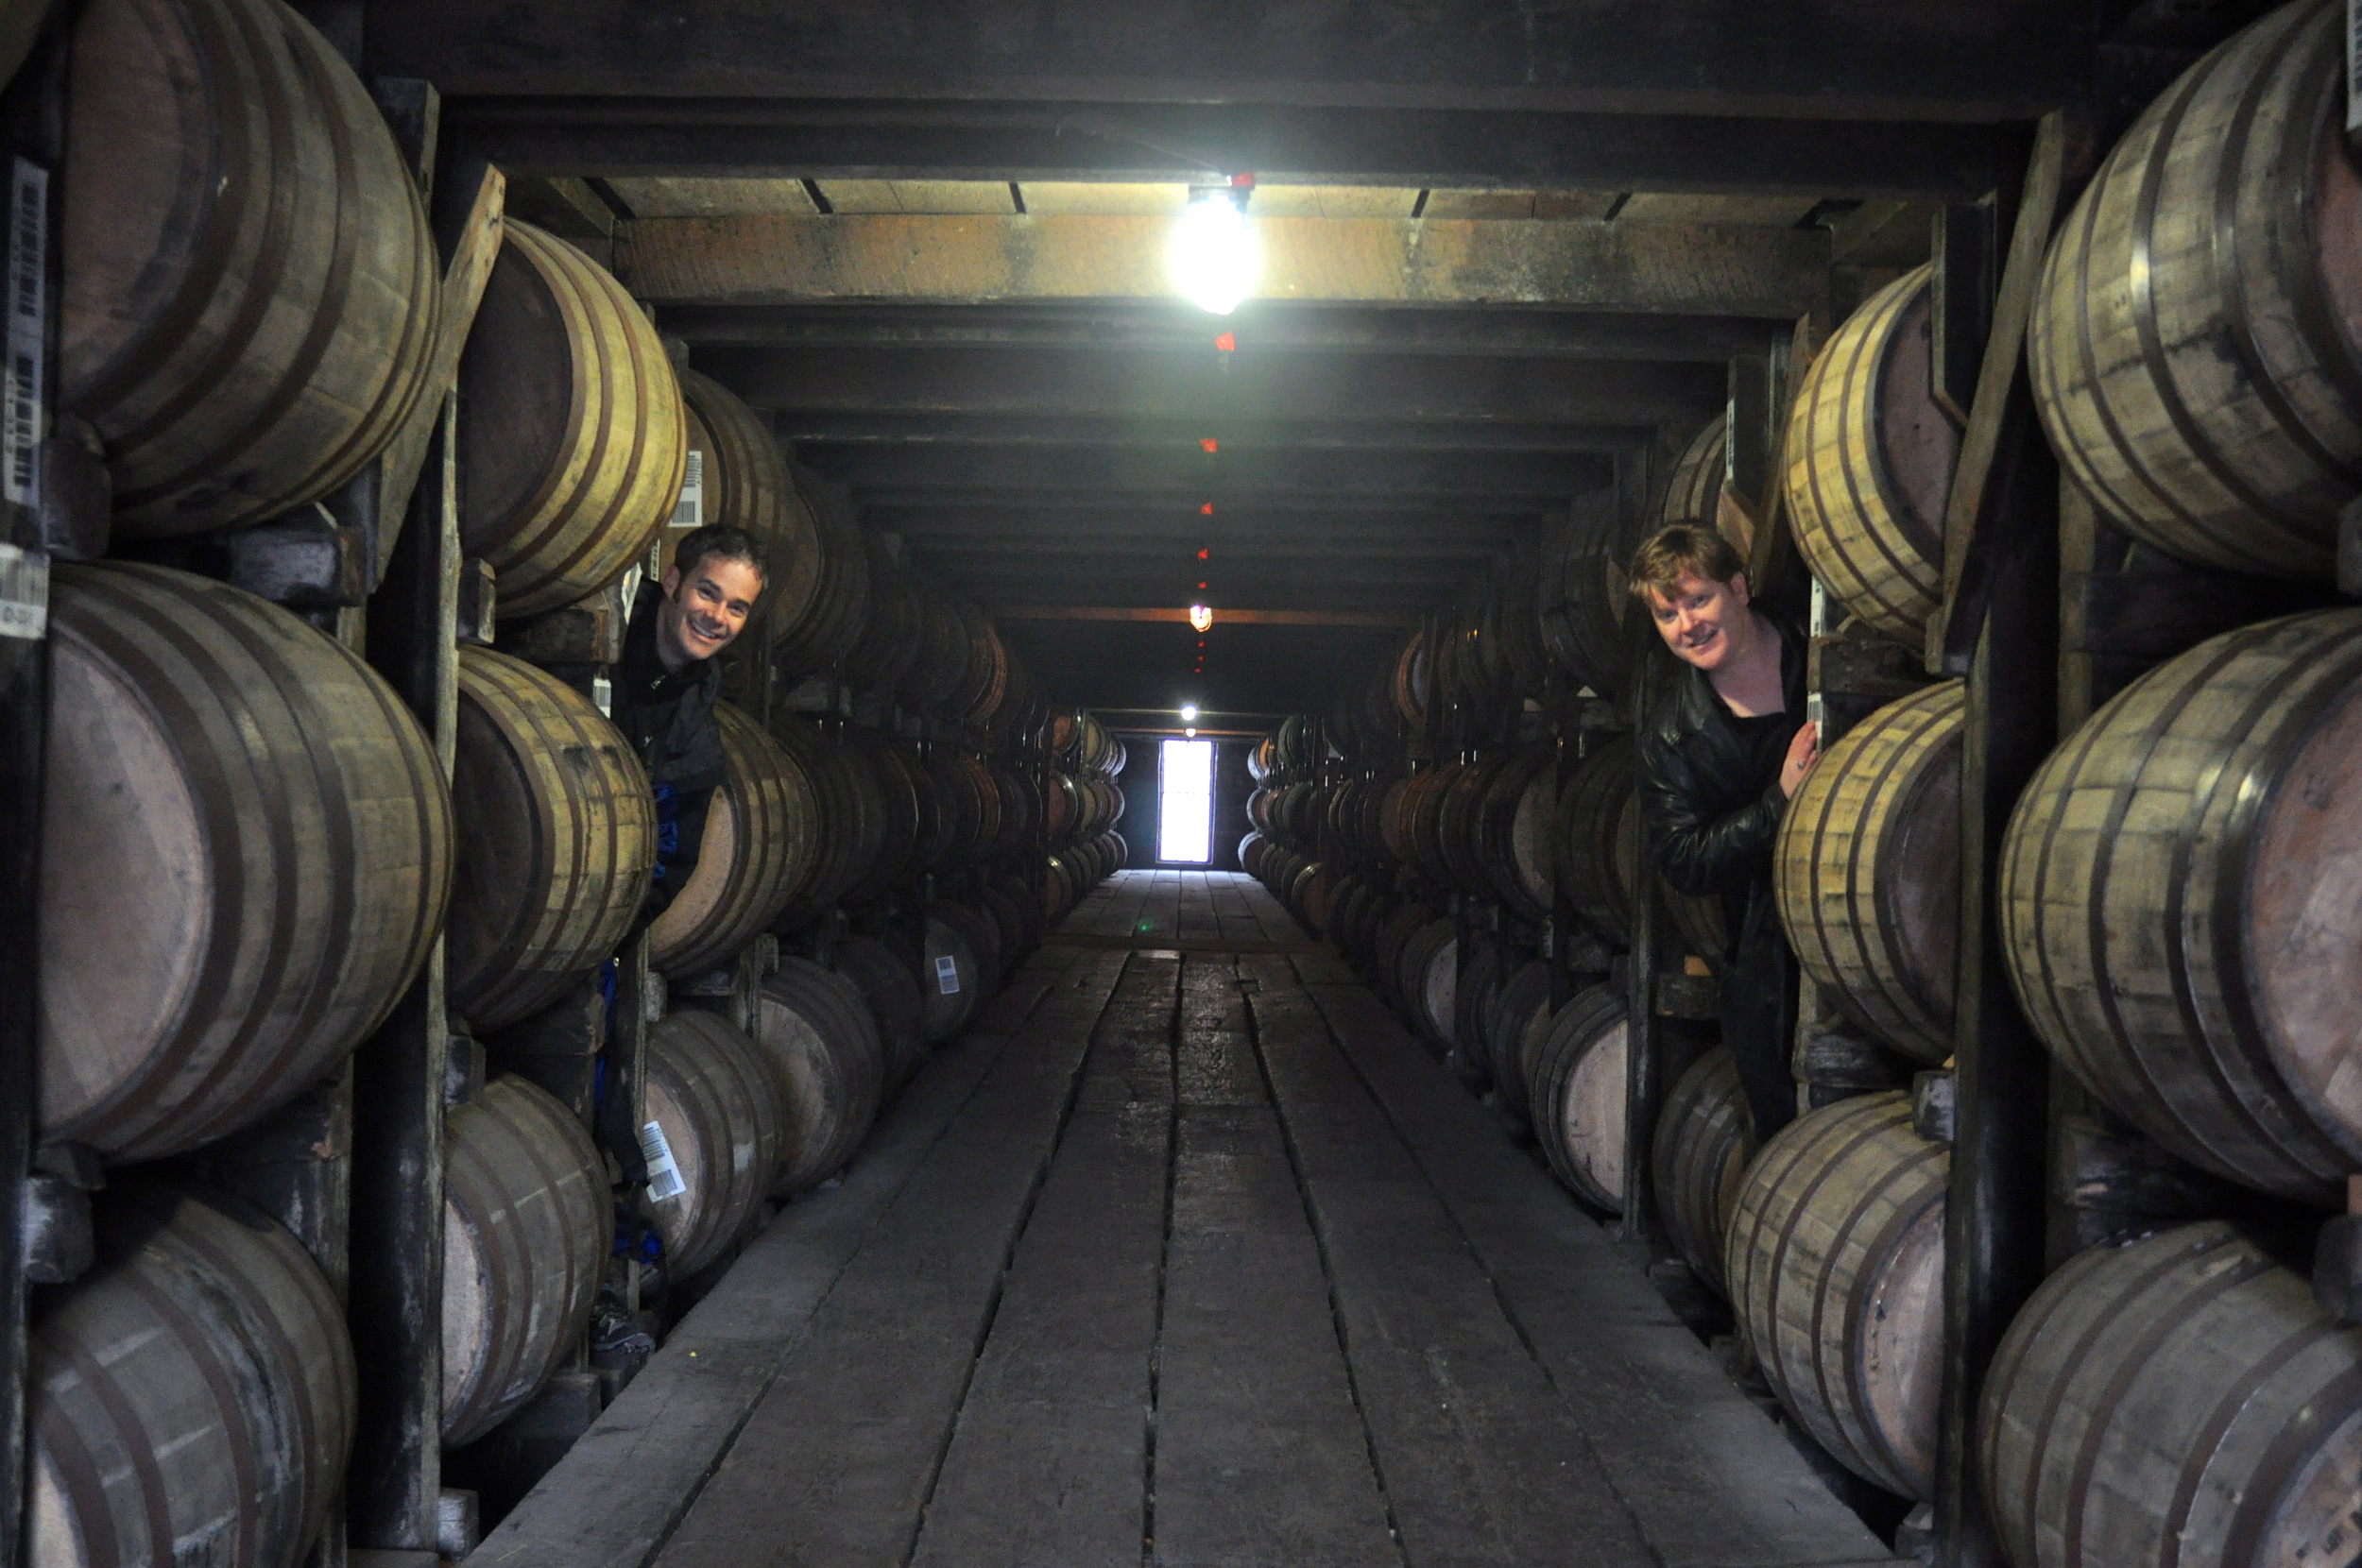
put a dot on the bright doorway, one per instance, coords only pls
(1185, 802)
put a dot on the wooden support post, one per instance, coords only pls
(1645, 1080)
(395, 1481)
(33, 128)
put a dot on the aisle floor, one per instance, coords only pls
(1186, 1254)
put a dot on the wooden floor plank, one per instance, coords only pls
(1047, 1465)
(1482, 1462)
(1711, 1482)
(835, 1464)
(622, 1488)
(1261, 1458)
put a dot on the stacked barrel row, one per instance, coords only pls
(1084, 804)
(251, 849)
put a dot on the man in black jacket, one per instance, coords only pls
(1720, 754)
(666, 686)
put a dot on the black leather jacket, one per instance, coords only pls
(668, 718)
(1711, 820)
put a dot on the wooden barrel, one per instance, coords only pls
(1430, 979)
(889, 637)
(1575, 1090)
(1868, 869)
(2191, 345)
(527, 1225)
(251, 291)
(2179, 1400)
(735, 477)
(1515, 824)
(1698, 1158)
(952, 979)
(1869, 461)
(819, 633)
(823, 1050)
(556, 837)
(246, 854)
(1581, 597)
(712, 1138)
(1519, 1023)
(1694, 495)
(759, 836)
(191, 1396)
(1598, 818)
(1835, 1264)
(2181, 900)
(892, 799)
(889, 987)
(571, 430)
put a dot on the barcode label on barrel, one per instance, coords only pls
(691, 512)
(663, 1174)
(948, 975)
(29, 333)
(23, 593)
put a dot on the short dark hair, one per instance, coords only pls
(700, 545)
(1681, 550)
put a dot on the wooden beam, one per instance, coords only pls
(1677, 267)
(1257, 327)
(1192, 477)
(861, 427)
(1231, 526)
(1840, 59)
(1160, 142)
(1219, 398)
(1221, 617)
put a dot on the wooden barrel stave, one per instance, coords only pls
(760, 834)
(247, 851)
(1869, 461)
(1574, 1091)
(250, 293)
(2191, 348)
(825, 1053)
(1868, 869)
(2179, 904)
(572, 432)
(889, 986)
(1698, 1158)
(1835, 1266)
(713, 1093)
(190, 1398)
(555, 839)
(527, 1224)
(2179, 1399)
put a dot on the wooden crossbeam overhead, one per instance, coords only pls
(831, 427)
(1679, 267)
(769, 138)
(1343, 515)
(881, 502)
(1839, 60)
(1259, 327)
(1191, 475)
(1378, 557)
(1199, 385)
(1229, 618)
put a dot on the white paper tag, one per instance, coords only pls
(948, 975)
(29, 333)
(23, 593)
(689, 511)
(664, 1179)
(602, 696)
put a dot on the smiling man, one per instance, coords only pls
(1720, 754)
(667, 684)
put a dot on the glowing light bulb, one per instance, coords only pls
(1200, 616)
(1188, 713)
(1215, 259)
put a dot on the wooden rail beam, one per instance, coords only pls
(1698, 269)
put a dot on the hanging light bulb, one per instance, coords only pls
(1214, 254)
(1200, 616)
(1188, 713)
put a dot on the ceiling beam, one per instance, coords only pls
(1836, 59)
(1698, 269)
(841, 428)
(639, 137)
(1258, 327)
(1283, 507)
(1192, 475)
(1224, 395)
(1228, 617)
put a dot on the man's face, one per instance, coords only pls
(704, 610)
(1696, 619)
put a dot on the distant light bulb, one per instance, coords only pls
(1201, 618)
(1189, 734)
(1215, 258)
(1189, 712)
